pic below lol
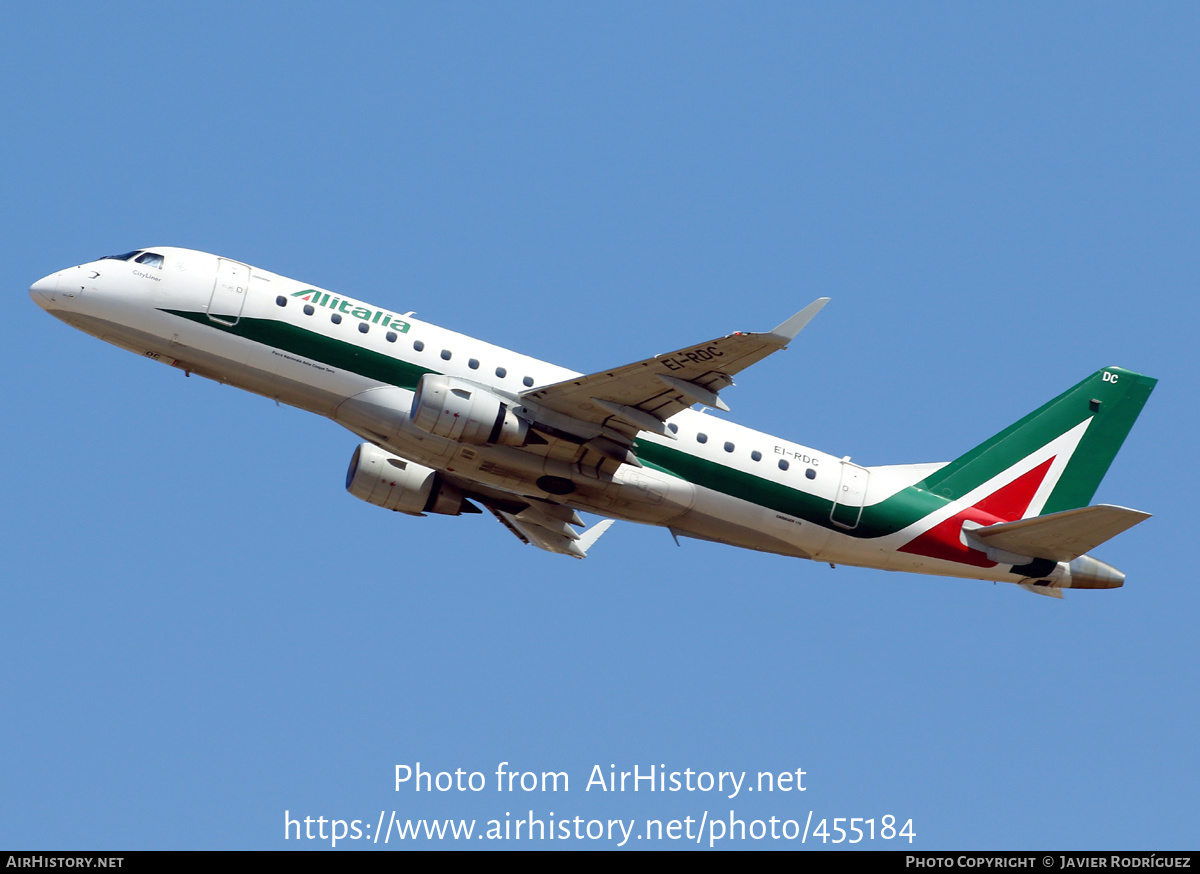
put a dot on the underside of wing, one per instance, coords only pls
(543, 524)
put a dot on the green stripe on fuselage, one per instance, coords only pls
(886, 517)
(318, 347)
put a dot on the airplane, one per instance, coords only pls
(454, 425)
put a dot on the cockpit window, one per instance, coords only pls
(124, 257)
(151, 259)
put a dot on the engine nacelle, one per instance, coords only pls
(387, 481)
(462, 411)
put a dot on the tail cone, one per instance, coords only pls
(1089, 573)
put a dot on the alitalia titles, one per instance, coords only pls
(352, 308)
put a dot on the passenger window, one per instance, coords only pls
(473, 364)
(527, 380)
(701, 438)
(446, 353)
(281, 301)
(501, 372)
(391, 336)
(418, 345)
(673, 428)
(756, 455)
(336, 319)
(729, 447)
(810, 473)
(308, 309)
(783, 465)
(363, 327)
(150, 259)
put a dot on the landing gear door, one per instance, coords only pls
(229, 292)
(851, 495)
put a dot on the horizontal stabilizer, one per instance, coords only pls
(1060, 536)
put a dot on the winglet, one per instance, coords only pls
(549, 533)
(591, 535)
(787, 331)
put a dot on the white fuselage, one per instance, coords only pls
(138, 307)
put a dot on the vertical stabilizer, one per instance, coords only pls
(1061, 450)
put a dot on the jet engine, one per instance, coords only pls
(462, 411)
(387, 481)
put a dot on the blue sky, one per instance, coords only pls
(202, 630)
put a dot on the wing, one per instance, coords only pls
(619, 403)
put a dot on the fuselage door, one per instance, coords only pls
(229, 292)
(851, 494)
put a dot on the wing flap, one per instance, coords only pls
(1060, 536)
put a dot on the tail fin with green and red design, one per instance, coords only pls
(1021, 497)
(1054, 458)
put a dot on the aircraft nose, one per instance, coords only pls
(45, 290)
